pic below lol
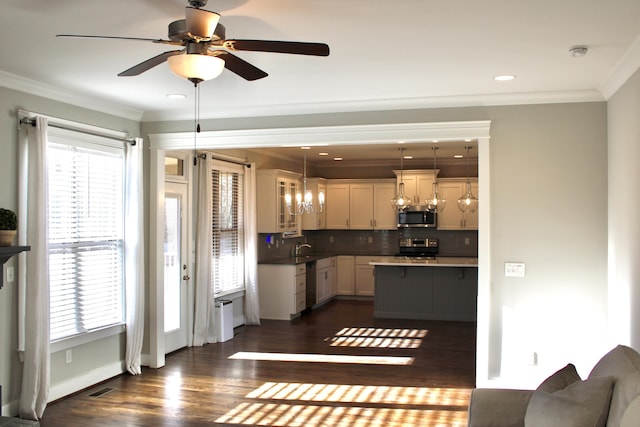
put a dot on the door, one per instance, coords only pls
(176, 267)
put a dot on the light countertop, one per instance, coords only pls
(441, 261)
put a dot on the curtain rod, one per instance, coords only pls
(221, 158)
(32, 122)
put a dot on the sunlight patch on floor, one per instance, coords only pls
(272, 414)
(379, 338)
(342, 393)
(323, 358)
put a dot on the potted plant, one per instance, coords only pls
(8, 227)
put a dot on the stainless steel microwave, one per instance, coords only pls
(416, 216)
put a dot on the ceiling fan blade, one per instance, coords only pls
(201, 23)
(240, 66)
(149, 63)
(299, 48)
(83, 36)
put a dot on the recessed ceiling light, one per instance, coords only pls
(504, 78)
(337, 159)
(176, 96)
(323, 154)
(577, 51)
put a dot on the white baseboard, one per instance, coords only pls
(88, 379)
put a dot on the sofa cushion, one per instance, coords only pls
(560, 379)
(580, 404)
(623, 363)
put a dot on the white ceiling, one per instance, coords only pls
(384, 54)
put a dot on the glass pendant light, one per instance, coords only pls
(468, 202)
(401, 201)
(435, 202)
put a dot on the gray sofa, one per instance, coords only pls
(610, 397)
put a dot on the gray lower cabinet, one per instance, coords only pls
(434, 293)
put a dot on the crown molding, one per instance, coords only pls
(625, 68)
(44, 90)
(380, 105)
(323, 135)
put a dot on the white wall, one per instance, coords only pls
(624, 208)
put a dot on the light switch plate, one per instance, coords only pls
(514, 269)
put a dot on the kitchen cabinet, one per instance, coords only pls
(272, 187)
(282, 290)
(418, 183)
(360, 205)
(325, 279)
(426, 292)
(452, 218)
(346, 275)
(365, 275)
(315, 220)
(337, 206)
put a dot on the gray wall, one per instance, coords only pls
(88, 360)
(548, 169)
(548, 174)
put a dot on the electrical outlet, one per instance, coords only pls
(68, 356)
(514, 269)
(467, 241)
(370, 239)
(10, 274)
(533, 358)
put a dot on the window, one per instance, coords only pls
(85, 180)
(227, 251)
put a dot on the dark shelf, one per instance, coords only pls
(7, 252)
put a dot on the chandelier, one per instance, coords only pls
(468, 202)
(304, 199)
(435, 202)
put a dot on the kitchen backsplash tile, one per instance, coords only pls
(368, 242)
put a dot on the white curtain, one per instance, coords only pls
(204, 330)
(134, 256)
(33, 284)
(252, 305)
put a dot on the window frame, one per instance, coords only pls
(80, 139)
(226, 167)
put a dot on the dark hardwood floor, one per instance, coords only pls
(383, 373)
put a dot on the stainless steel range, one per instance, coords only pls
(425, 248)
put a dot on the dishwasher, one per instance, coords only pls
(311, 284)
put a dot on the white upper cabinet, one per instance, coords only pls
(272, 187)
(360, 205)
(418, 184)
(452, 218)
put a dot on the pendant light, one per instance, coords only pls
(304, 199)
(468, 202)
(435, 202)
(401, 201)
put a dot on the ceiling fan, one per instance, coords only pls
(202, 37)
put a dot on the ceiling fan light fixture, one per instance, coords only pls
(196, 67)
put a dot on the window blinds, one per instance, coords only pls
(85, 227)
(227, 251)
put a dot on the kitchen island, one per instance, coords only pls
(444, 288)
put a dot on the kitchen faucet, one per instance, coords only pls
(300, 246)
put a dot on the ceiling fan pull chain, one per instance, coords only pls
(196, 122)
